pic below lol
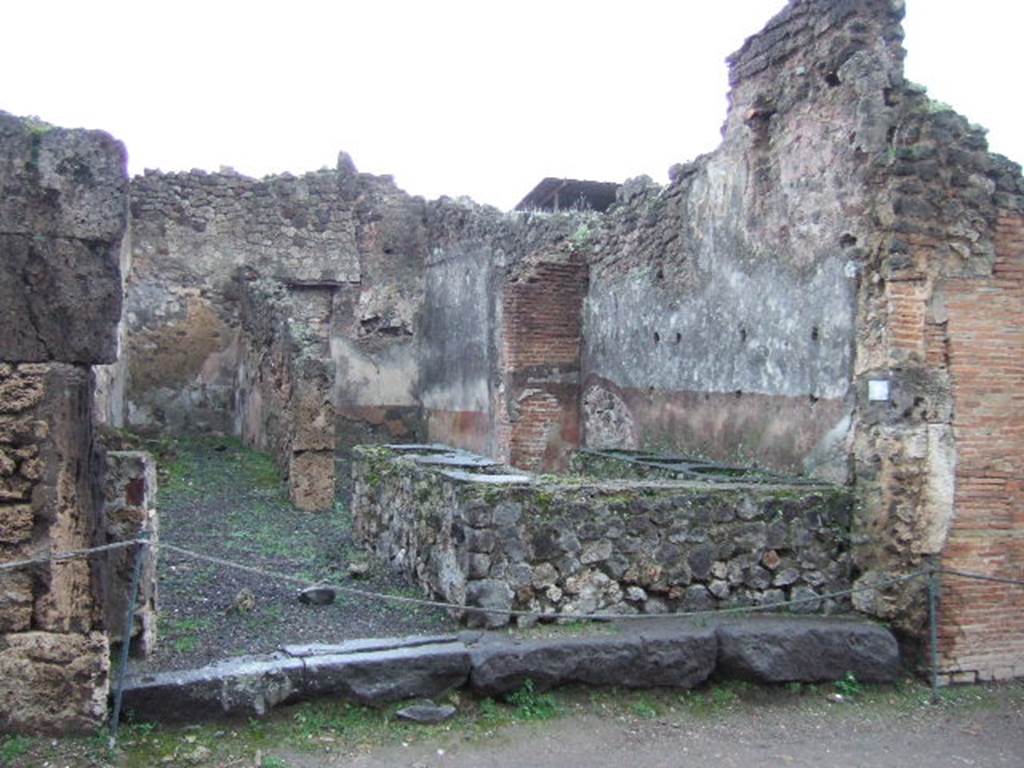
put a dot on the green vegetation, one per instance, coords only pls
(580, 239)
(530, 705)
(849, 686)
(183, 634)
(12, 747)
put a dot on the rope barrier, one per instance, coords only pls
(69, 555)
(981, 577)
(365, 593)
(534, 614)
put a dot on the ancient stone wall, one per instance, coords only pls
(721, 312)
(62, 216)
(470, 532)
(129, 496)
(502, 318)
(938, 329)
(832, 292)
(286, 383)
(197, 237)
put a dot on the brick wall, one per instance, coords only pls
(542, 306)
(982, 623)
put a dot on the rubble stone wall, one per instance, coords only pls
(198, 237)
(476, 535)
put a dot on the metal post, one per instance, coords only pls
(933, 625)
(126, 635)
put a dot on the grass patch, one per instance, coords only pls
(183, 634)
(12, 747)
(531, 705)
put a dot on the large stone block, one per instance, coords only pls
(61, 182)
(777, 650)
(60, 299)
(376, 677)
(247, 686)
(675, 657)
(53, 682)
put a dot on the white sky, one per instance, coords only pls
(454, 97)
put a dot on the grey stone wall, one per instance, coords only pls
(472, 533)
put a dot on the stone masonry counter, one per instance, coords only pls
(475, 533)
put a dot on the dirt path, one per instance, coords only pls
(772, 734)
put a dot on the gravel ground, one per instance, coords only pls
(220, 499)
(768, 731)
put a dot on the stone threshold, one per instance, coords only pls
(672, 653)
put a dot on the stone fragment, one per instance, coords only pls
(518, 575)
(357, 569)
(700, 560)
(544, 576)
(758, 578)
(635, 594)
(804, 600)
(786, 577)
(245, 601)
(507, 513)
(697, 598)
(719, 588)
(426, 712)
(490, 594)
(479, 566)
(317, 595)
(771, 560)
(477, 515)
(596, 551)
(480, 540)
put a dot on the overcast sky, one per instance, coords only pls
(475, 98)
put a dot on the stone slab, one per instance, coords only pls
(364, 645)
(377, 677)
(654, 653)
(812, 649)
(682, 656)
(246, 686)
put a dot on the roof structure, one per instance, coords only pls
(554, 194)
